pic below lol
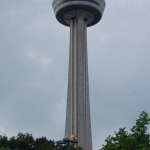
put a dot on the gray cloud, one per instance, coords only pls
(34, 51)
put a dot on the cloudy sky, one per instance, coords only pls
(34, 52)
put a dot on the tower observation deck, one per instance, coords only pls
(78, 15)
(65, 10)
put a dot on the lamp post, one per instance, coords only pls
(67, 141)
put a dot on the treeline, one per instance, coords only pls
(27, 142)
(136, 139)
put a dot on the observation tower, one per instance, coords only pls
(78, 15)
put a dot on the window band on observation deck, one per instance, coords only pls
(65, 1)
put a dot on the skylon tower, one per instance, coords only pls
(78, 15)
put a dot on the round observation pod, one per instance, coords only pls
(65, 10)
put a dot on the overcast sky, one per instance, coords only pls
(34, 55)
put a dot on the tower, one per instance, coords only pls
(78, 15)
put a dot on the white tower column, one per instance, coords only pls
(78, 109)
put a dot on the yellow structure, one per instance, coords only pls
(72, 137)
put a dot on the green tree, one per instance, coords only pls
(5, 148)
(44, 144)
(25, 141)
(3, 141)
(71, 148)
(12, 143)
(137, 139)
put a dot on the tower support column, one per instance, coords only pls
(78, 108)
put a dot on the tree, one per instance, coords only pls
(44, 144)
(12, 143)
(3, 141)
(3, 148)
(71, 147)
(137, 139)
(26, 142)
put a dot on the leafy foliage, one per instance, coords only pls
(27, 142)
(71, 147)
(3, 148)
(137, 139)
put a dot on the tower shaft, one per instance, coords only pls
(78, 107)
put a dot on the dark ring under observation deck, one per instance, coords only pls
(94, 7)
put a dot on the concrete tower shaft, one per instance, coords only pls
(66, 9)
(78, 108)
